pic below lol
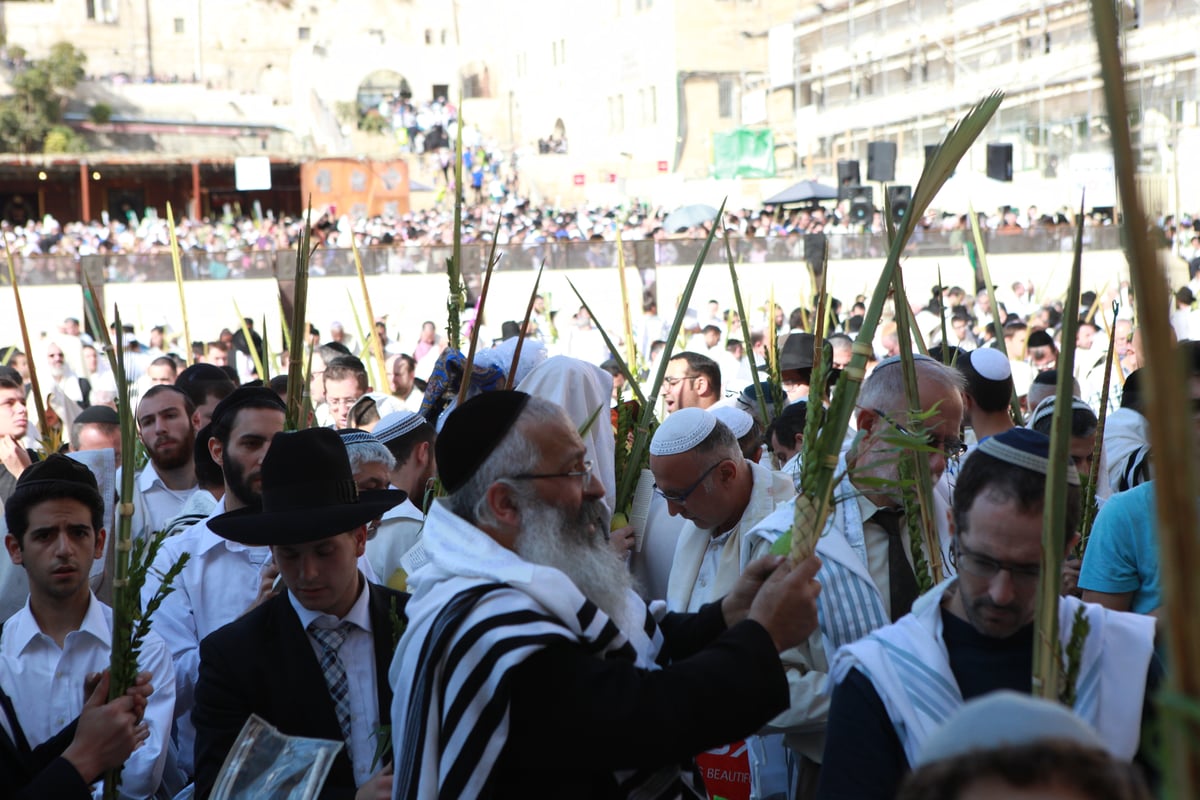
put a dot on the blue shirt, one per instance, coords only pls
(1122, 552)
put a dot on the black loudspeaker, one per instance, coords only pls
(862, 203)
(881, 161)
(899, 198)
(931, 151)
(999, 162)
(848, 176)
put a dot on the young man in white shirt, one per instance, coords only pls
(63, 635)
(164, 418)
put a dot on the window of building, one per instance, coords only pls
(304, 33)
(445, 35)
(649, 102)
(725, 98)
(429, 36)
(562, 51)
(179, 25)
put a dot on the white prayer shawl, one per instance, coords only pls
(477, 611)
(850, 605)
(769, 489)
(909, 666)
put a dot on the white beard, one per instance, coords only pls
(579, 548)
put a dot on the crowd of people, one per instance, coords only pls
(445, 565)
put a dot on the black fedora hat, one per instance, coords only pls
(797, 352)
(308, 493)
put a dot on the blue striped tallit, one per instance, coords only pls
(909, 667)
(466, 632)
(850, 605)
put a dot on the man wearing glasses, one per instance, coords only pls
(865, 547)
(974, 634)
(701, 474)
(692, 380)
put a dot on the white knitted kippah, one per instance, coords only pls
(682, 431)
(396, 424)
(991, 364)
(735, 419)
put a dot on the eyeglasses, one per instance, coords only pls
(680, 498)
(673, 381)
(986, 567)
(952, 448)
(585, 474)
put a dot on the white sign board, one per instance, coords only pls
(1094, 174)
(781, 45)
(252, 173)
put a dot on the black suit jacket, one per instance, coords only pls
(263, 663)
(41, 772)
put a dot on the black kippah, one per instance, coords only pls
(57, 468)
(258, 396)
(201, 373)
(472, 432)
(1039, 339)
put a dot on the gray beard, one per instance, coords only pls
(581, 552)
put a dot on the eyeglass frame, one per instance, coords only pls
(960, 448)
(681, 498)
(672, 382)
(585, 474)
(1025, 575)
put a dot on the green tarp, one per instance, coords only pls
(744, 153)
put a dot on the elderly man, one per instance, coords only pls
(97, 428)
(311, 661)
(704, 478)
(520, 577)
(865, 548)
(974, 635)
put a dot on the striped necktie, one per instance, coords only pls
(330, 639)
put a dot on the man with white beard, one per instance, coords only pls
(530, 668)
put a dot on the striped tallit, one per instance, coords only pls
(909, 666)
(477, 611)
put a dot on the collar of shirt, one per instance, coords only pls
(22, 629)
(359, 614)
(148, 478)
(405, 510)
(209, 539)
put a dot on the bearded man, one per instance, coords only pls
(164, 419)
(530, 668)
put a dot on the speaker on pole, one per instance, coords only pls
(881, 161)
(899, 199)
(862, 203)
(999, 162)
(848, 176)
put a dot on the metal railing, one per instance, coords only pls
(557, 255)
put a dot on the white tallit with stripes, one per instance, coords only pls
(909, 666)
(850, 605)
(477, 611)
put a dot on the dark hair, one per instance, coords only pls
(25, 497)
(402, 446)
(8, 382)
(331, 350)
(208, 471)
(1083, 423)
(984, 473)
(160, 388)
(704, 365)
(1091, 772)
(406, 358)
(1131, 393)
(202, 382)
(788, 424)
(164, 361)
(991, 395)
(222, 426)
(344, 367)
(751, 442)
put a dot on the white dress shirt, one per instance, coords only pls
(706, 587)
(45, 683)
(219, 583)
(358, 657)
(159, 504)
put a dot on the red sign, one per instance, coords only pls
(612, 177)
(662, 166)
(579, 179)
(726, 772)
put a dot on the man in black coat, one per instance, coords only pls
(312, 661)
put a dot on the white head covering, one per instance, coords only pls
(580, 388)
(681, 431)
(735, 419)
(397, 424)
(1001, 719)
